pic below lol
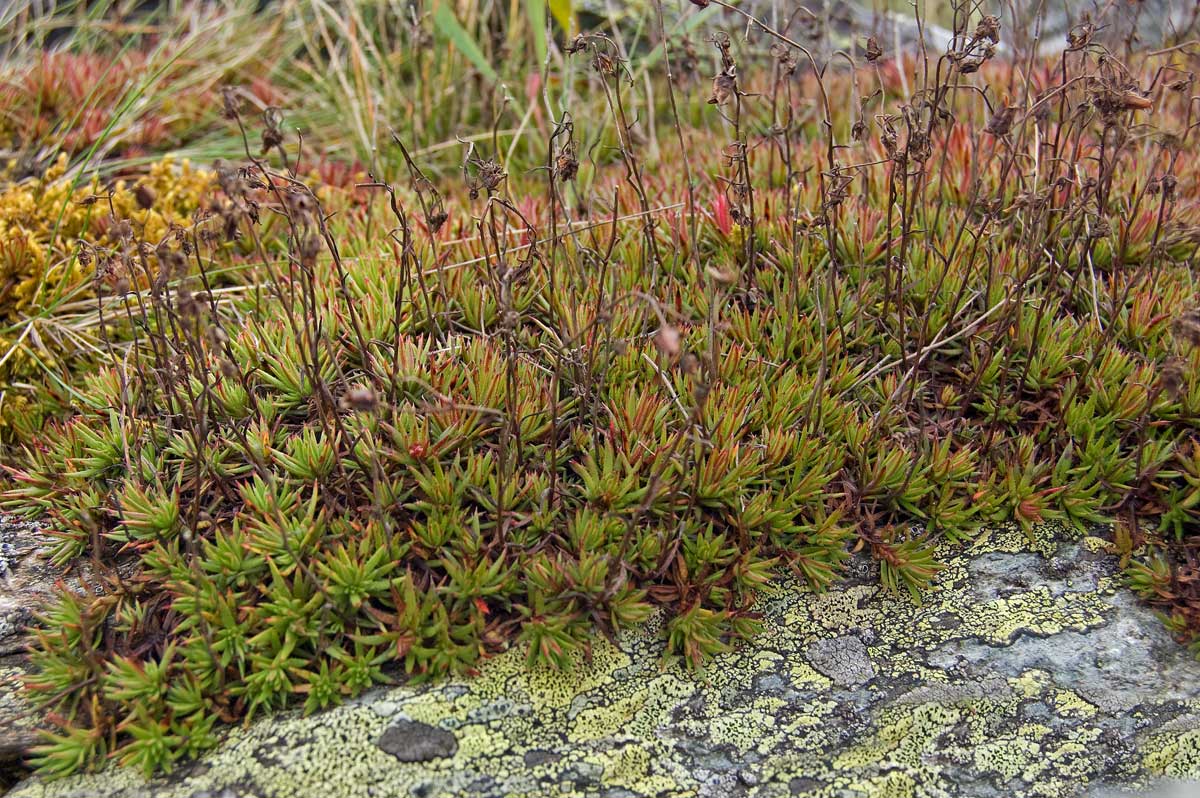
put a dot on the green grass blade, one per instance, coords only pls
(450, 27)
(536, 11)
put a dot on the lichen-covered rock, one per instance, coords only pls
(1025, 673)
(26, 580)
(1039, 24)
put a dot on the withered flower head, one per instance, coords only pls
(604, 63)
(1080, 36)
(301, 202)
(145, 196)
(566, 165)
(668, 341)
(309, 249)
(1002, 120)
(107, 271)
(186, 303)
(121, 230)
(1173, 378)
(723, 277)
(724, 87)
(1182, 84)
(874, 51)
(725, 46)
(1187, 327)
(577, 44)
(272, 136)
(488, 176)
(785, 58)
(888, 137)
(359, 399)
(988, 28)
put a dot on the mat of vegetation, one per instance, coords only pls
(675, 317)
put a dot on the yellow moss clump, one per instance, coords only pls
(42, 221)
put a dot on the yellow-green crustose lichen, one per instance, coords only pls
(1023, 674)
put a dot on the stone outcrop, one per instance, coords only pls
(1026, 672)
(844, 24)
(26, 580)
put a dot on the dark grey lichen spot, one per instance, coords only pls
(803, 784)
(537, 756)
(410, 741)
(843, 659)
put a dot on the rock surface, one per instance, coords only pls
(410, 741)
(844, 24)
(26, 580)
(1025, 673)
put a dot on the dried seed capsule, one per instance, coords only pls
(359, 399)
(724, 87)
(145, 196)
(1187, 327)
(874, 51)
(1173, 378)
(988, 28)
(668, 341)
(121, 230)
(566, 166)
(1002, 121)
(723, 277)
(271, 138)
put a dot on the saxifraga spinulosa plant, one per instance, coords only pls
(538, 403)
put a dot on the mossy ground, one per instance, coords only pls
(661, 342)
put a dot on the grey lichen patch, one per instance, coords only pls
(26, 580)
(410, 741)
(843, 659)
(1023, 674)
(18, 718)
